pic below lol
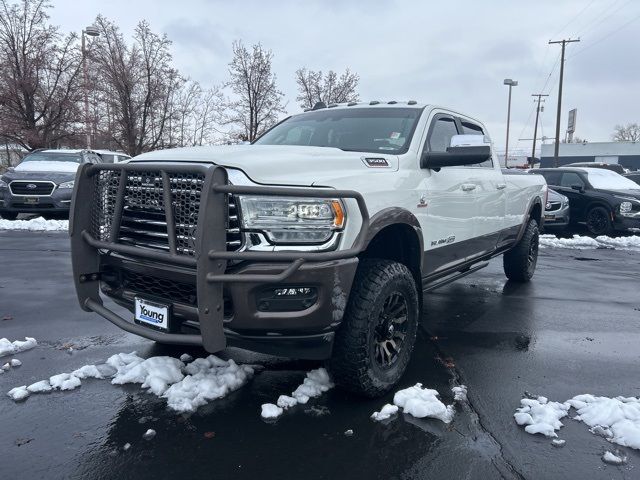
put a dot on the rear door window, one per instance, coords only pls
(552, 178)
(570, 179)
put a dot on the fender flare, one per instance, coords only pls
(394, 216)
(532, 203)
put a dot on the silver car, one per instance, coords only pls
(556, 211)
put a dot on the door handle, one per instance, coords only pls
(467, 187)
(501, 186)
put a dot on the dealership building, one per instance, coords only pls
(626, 154)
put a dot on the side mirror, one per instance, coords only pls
(578, 188)
(464, 150)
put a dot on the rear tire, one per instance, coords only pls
(9, 215)
(598, 221)
(374, 342)
(520, 262)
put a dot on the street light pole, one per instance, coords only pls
(92, 31)
(511, 83)
(535, 128)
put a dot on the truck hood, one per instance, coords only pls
(279, 165)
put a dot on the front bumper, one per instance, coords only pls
(223, 307)
(557, 219)
(58, 202)
(626, 224)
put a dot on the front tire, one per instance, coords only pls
(598, 221)
(374, 342)
(520, 262)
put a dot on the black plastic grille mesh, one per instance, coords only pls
(144, 222)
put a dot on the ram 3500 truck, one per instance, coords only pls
(317, 241)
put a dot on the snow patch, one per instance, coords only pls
(558, 443)
(385, 412)
(149, 434)
(423, 402)
(38, 224)
(616, 419)
(269, 410)
(541, 416)
(184, 387)
(10, 348)
(613, 459)
(315, 384)
(15, 362)
(580, 242)
(459, 393)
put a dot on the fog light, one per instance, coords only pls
(286, 299)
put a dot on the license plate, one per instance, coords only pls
(31, 200)
(151, 313)
(549, 217)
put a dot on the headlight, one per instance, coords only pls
(64, 185)
(629, 209)
(292, 220)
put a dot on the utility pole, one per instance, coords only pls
(535, 128)
(557, 146)
(511, 84)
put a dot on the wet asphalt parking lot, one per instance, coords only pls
(574, 329)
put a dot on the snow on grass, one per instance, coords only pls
(616, 419)
(37, 224)
(579, 242)
(185, 387)
(9, 348)
(423, 402)
(385, 412)
(315, 384)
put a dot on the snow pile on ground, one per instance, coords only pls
(423, 402)
(207, 379)
(185, 387)
(315, 384)
(459, 393)
(616, 419)
(579, 242)
(385, 412)
(613, 459)
(38, 224)
(619, 417)
(9, 348)
(541, 416)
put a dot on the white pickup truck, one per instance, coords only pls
(316, 241)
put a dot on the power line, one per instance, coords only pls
(613, 32)
(575, 17)
(600, 20)
(564, 44)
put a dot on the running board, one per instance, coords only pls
(453, 278)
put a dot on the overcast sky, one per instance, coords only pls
(450, 53)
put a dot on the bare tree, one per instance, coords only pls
(257, 100)
(39, 76)
(314, 87)
(137, 85)
(626, 133)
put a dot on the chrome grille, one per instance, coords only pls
(552, 206)
(144, 222)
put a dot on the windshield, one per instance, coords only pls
(608, 180)
(52, 157)
(379, 130)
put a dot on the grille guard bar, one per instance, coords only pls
(211, 255)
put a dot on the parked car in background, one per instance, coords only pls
(633, 176)
(614, 167)
(556, 212)
(42, 183)
(602, 200)
(109, 156)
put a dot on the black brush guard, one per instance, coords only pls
(211, 255)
